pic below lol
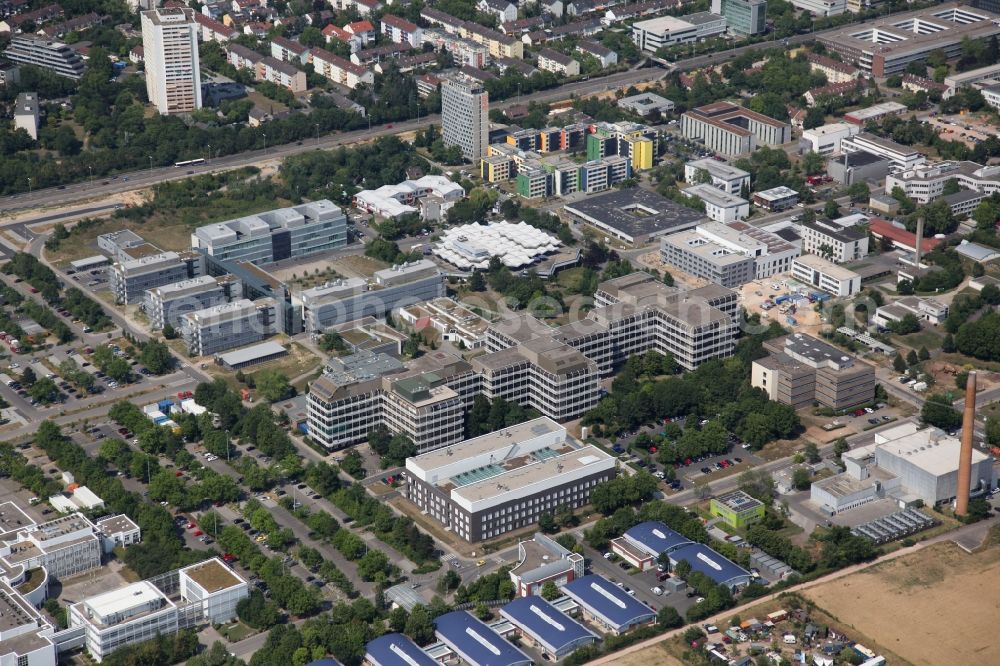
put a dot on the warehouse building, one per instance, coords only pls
(905, 463)
(925, 309)
(349, 299)
(723, 176)
(801, 370)
(487, 486)
(826, 275)
(284, 233)
(733, 130)
(634, 215)
(542, 625)
(476, 643)
(396, 650)
(166, 304)
(608, 606)
(887, 45)
(859, 166)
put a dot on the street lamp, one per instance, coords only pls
(265, 144)
(150, 162)
(316, 125)
(29, 186)
(209, 153)
(91, 169)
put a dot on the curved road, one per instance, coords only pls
(143, 178)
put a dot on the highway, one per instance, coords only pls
(139, 179)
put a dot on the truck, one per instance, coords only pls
(784, 298)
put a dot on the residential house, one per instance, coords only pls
(289, 50)
(400, 30)
(215, 31)
(504, 10)
(602, 53)
(339, 70)
(363, 30)
(334, 34)
(560, 63)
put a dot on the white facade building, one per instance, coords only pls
(927, 181)
(391, 201)
(720, 206)
(837, 243)
(826, 139)
(465, 109)
(653, 34)
(826, 275)
(821, 7)
(723, 176)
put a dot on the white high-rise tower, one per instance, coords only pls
(170, 43)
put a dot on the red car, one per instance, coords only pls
(652, 449)
(687, 461)
(178, 473)
(228, 557)
(198, 533)
(190, 525)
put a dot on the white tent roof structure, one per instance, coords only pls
(473, 245)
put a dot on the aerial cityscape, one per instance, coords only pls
(499, 332)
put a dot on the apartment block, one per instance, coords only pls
(339, 70)
(465, 107)
(425, 400)
(168, 303)
(560, 63)
(487, 486)
(719, 206)
(400, 30)
(833, 242)
(47, 54)
(222, 327)
(348, 299)
(725, 177)
(284, 233)
(801, 370)
(835, 71)
(732, 130)
(288, 50)
(635, 141)
(826, 275)
(129, 279)
(170, 48)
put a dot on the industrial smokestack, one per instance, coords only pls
(965, 454)
(919, 241)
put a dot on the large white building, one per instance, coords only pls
(653, 34)
(484, 487)
(26, 113)
(238, 323)
(837, 243)
(348, 299)
(170, 47)
(168, 303)
(283, 233)
(902, 157)
(826, 139)
(720, 206)
(926, 182)
(905, 463)
(723, 176)
(473, 245)
(391, 201)
(821, 7)
(826, 275)
(129, 279)
(730, 129)
(203, 592)
(465, 111)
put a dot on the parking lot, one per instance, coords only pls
(968, 129)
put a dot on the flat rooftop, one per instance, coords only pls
(252, 353)
(738, 501)
(636, 212)
(829, 268)
(12, 518)
(499, 440)
(719, 169)
(930, 450)
(212, 575)
(124, 599)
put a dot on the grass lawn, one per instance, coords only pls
(237, 631)
(929, 337)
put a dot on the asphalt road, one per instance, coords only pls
(146, 177)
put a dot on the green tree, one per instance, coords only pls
(156, 356)
(550, 592)
(272, 385)
(813, 163)
(477, 282)
(840, 447)
(911, 358)
(419, 626)
(948, 344)
(923, 354)
(801, 478)
(331, 341)
(938, 411)
(831, 209)
(899, 363)
(811, 453)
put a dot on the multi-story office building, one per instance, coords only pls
(465, 110)
(203, 592)
(728, 254)
(168, 303)
(732, 130)
(826, 275)
(887, 45)
(821, 7)
(653, 34)
(926, 182)
(490, 485)
(284, 233)
(743, 17)
(65, 546)
(170, 48)
(235, 324)
(826, 139)
(425, 400)
(53, 56)
(25, 633)
(776, 199)
(635, 141)
(719, 206)
(833, 242)
(130, 279)
(634, 314)
(902, 157)
(723, 176)
(348, 299)
(801, 370)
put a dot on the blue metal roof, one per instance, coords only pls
(606, 600)
(702, 558)
(553, 629)
(476, 643)
(396, 650)
(329, 661)
(655, 537)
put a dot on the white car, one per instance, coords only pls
(608, 555)
(15, 365)
(658, 591)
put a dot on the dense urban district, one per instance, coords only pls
(496, 333)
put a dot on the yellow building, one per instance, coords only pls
(497, 168)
